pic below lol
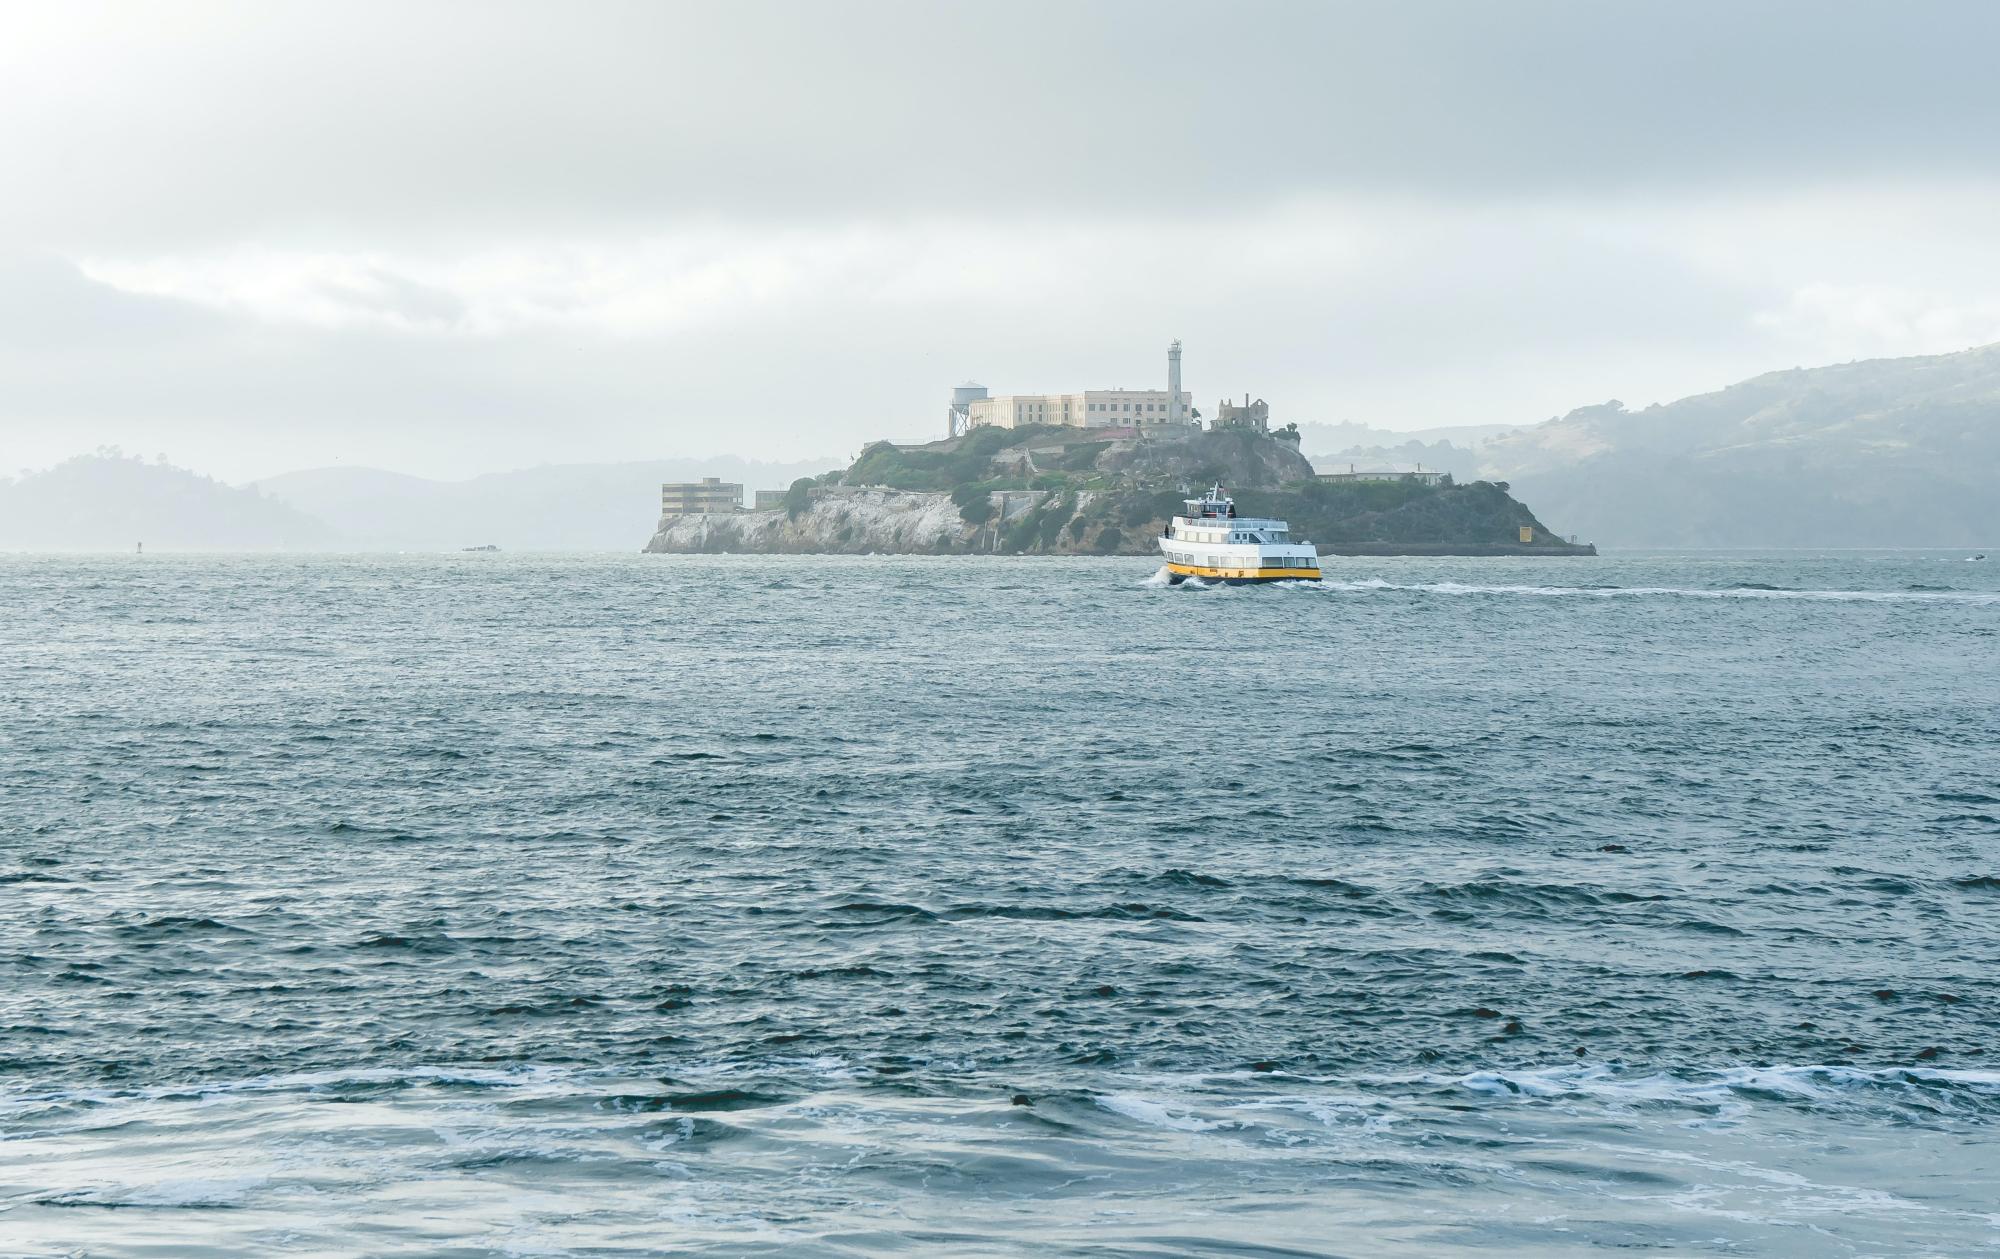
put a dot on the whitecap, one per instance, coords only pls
(1156, 1113)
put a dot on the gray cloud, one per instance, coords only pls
(456, 237)
(47, 305)
(158, 125)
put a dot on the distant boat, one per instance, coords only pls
(488, 547)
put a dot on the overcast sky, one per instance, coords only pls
(456, 238)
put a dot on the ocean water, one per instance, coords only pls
(507, 905)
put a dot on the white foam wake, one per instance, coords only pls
(1373, 584)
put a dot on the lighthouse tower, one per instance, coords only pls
(1174, 383)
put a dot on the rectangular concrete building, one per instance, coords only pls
(707, 497)
(1354, 476)
(1093, 408)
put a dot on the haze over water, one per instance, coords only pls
(513, 905)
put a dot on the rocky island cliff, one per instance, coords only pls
(1074, 491)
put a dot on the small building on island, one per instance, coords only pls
(1418, 474)
(768, 500)
(1255, 416)
(710, 496)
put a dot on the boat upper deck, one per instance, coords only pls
(1241, 531)
(1212, 518)
(1262, 524)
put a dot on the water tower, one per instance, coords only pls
(959, 418)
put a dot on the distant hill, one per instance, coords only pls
(556, 507)
(1454, 449)
(110, 502)
(1885, 452)
(1331, 438)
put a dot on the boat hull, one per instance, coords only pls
(1178, 573)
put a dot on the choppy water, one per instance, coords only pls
(498, 905)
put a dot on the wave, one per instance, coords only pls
(194, 1193)
(1747, 590)
(1170, 1098)
(1156, 1114)
(176, 925)
(331, 1081)
(872, 913)
(1163, 580)
(1916, 593)
(1977, 1091)
(1201, 1103)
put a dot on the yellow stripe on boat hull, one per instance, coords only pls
(1207, 573)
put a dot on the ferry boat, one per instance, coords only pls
(1213, 543)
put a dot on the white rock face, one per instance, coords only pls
(841, 519)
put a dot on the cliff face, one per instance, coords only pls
(842, 520)
(839, 521)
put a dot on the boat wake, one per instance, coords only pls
(1163, 579)
(1745, 591)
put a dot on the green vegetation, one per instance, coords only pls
(1391, 512)
(1038, 528)
(1137, 509)
(921, 468)
(1082, 457)
(799, 496)
(974, 502)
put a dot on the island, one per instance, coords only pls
(1060, 490)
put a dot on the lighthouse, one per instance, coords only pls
(1174, 383)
